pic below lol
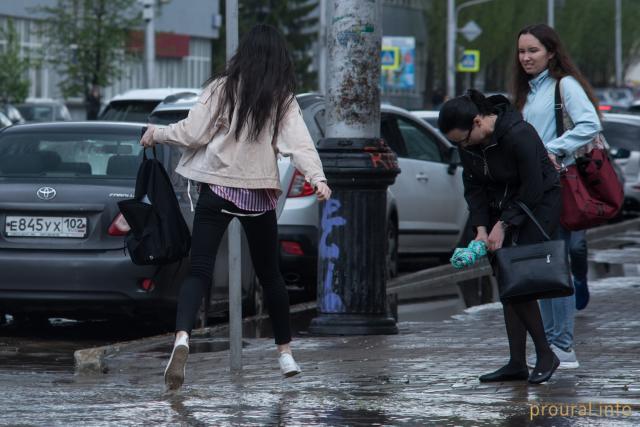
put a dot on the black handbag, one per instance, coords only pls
(534, 271)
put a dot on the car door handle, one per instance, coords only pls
(422, 177)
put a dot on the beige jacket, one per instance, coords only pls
(213, 155)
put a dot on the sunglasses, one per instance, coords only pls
(464, 141)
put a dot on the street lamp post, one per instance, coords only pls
(148, 12)
(359, 167)
(619, 79)
(452, 30)
(234, 232)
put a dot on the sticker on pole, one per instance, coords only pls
(470, 62)
(390, 57)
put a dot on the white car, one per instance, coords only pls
(136, 105)
(622, 132)
(426, 209)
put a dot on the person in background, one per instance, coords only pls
(540, 62)
(93, 103)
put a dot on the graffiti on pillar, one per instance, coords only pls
(329, 254)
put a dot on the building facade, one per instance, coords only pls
(184, 38)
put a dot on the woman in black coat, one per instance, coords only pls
(505, 161)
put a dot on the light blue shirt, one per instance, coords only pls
(538, 110)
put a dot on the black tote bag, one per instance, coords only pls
(534, 271)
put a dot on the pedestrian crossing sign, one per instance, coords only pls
(390, 57)
(470, 62)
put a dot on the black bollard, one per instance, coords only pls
(352, 269)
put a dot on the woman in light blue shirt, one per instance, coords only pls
(542, 61)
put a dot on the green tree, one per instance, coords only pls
(292, 17)
(86, 41)
(14, 86)
(585, 26)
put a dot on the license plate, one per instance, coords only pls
(45, 226)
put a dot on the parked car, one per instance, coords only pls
(12, 113)
(634, 108)
(62, 249)
(425, 207)
(4, 121)
(429, 116)
(44, 110)
(622, 132)
(136, 105)
(614, 99)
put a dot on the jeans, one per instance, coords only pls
(212, 216)
(558, 313)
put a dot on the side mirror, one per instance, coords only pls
(454, 160)
(620, 153)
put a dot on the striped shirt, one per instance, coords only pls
(254, 200)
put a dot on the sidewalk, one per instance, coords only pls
(426, 375)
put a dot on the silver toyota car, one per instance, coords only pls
(62, 250)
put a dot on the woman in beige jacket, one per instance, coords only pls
(243, 120)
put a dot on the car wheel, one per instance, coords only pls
(392, 248)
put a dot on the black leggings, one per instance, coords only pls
(209, 225)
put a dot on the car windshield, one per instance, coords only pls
(167, 117)
(70, 154)
(37, 113)
(129, 111)
(622, 135)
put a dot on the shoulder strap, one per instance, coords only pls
(533, 218)
(557, 108)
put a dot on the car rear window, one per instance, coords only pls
(622, 135)
(40, 113)
(129, 111)
(167, 117)
(70, 155)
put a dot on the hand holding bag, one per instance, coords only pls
(533, 271)
(591, 190)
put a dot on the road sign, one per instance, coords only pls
(470, 62)
(398, 63)
(471, 31)
(390, 57)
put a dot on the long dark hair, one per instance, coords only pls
(261, 78)
(560, 65)
(459, 112)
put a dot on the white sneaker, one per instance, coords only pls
(288, 365)
(175, 370)
(567, 359)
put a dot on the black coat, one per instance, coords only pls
(514, 165)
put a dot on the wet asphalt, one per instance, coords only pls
(425, 375)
